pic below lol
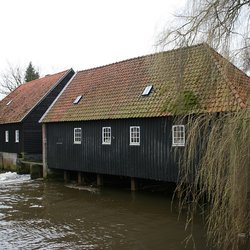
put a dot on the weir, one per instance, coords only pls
(11, 162)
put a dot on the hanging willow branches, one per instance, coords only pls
(214, 171)
(223, 24)
(217, 161)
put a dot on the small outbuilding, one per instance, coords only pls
(20, 111)
(120, 119)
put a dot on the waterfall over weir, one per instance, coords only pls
(12, 177)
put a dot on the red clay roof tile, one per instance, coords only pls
(25, 97)
(195, 79)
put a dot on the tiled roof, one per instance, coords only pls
(15, 106)
(192, 79)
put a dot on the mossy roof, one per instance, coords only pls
(206, 80)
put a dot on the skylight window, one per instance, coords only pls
(77, 100)
(9, 103)
(147, 90)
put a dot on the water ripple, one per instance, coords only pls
(44, 215)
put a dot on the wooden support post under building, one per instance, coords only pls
(133, 184)
(65, 176)
(44, 138)
(79, 178)
(99, 180)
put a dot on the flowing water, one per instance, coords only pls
(46, 215)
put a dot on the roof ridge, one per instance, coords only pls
(26, 83)
(47, 75)
(115, 91)
(144, 56)
(220, 67)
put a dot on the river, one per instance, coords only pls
(51, 215)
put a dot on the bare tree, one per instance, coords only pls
(221, 184)
(223, 24)
(11, 79)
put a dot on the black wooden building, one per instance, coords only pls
(120, 119)
(20, 111)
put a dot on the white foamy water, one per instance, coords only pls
(12, 177)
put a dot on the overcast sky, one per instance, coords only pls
(59, 34)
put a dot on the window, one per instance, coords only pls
(147, 90)
(106, 135)
(6, 136)
(9, 103)
(17, 136)
(77, 100)
(178, 135)
(134, 135)
(77, 135)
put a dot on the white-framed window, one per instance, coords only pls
(178, 135)
(134, 136)
(106, 135)
(77, 100)
(77, 135)
(6, 136)
(16, 136)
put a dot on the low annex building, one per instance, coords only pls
(120, 119)
(20, 111)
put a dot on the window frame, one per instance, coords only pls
(77, 99)
(131, 137)
(178, 141)
(104, 135)
(77, 137)
(147, 90)
(6, 135)
(17, 136)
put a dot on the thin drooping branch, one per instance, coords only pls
(221, 181)
(224, 24)
(214, 170)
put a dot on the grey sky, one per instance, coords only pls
(60, 34)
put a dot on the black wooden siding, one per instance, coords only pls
(153, 159)
(30, 128)
(11, 146)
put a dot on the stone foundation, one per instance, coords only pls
(8, 161)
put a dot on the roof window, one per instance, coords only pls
(77, 100)
(147, 90)
(8, 103)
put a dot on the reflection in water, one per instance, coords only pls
(44, 215)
